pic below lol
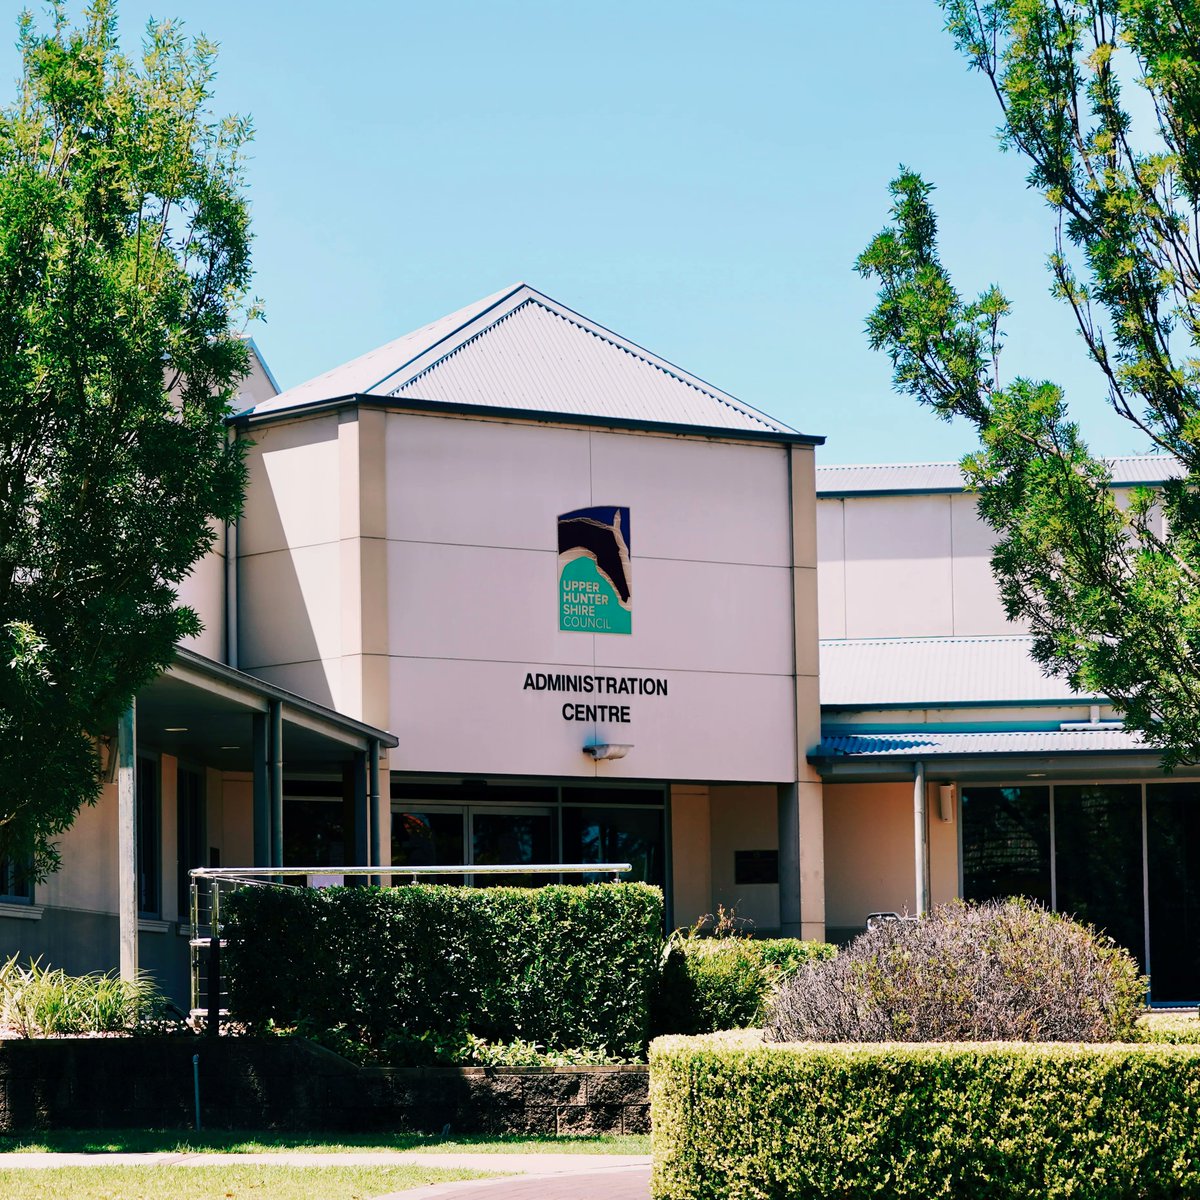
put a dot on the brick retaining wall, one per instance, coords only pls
(283, 1083)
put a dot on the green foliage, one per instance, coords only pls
(1111, 594)
(476, 1052)
(725, 981)
(989, 1122)
(409, 972)
(1169, 1028)
(124, 259)
(37, 1001)
(1001, 971)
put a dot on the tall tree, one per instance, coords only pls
(1110, 593)
(124, 263)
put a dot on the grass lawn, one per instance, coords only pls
(132, 1141)
(237, 1181)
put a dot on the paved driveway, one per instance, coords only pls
(589, 1181)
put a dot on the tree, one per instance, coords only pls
(124, 262)
(1111, 594)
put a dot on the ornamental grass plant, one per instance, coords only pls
(37, 1001)
(1001, 971)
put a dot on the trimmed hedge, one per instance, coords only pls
(712, 983)
(409, 972)
(734, 1119)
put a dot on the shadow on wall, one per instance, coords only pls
(289, 560)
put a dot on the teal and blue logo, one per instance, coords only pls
(595, 593)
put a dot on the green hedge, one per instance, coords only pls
(408, 972)
(735, 1119)
(712, 983)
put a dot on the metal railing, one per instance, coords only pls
(208, 992)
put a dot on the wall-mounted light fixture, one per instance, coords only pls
(606, 750)
(946, 793)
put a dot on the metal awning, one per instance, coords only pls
(202, 710)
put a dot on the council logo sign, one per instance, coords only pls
(594, 588)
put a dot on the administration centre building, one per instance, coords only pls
(513, 589)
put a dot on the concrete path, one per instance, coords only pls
(531, 1176)
(591, 1181)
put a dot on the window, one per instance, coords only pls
(15, 884)
(192, 835)
(149, 824)
(1006, 843)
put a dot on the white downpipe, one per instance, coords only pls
(127, 887)
(921, 840)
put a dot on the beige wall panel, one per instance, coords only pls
(168, 845)
(319, 681)
(88, 878)
(868, 851)
(237, 819)
(214, 812)
(943, 849)
(691, 854)
(898, 575)
(699, 616)
(804, 505)
(807, 634)
(292, 494)
(477, 602)
(810, 797)
(977, 607)
(204, 590)
(482, 482)
(677, 513)
(964, 718)
(290, 606)
(831, 573)
(476, 717)
(744, 818)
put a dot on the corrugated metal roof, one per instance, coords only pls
(941, 745)
(368, 371)
(885, 478)
(936, 672)
(519, 349)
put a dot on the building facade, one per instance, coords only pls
(513, 589)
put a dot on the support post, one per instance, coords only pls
(374, 850)
(275, 778)
(921, 840)
(789, 860)
(362, 811)
(127, 864)
(262, 794)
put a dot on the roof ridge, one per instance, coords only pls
(643, 356)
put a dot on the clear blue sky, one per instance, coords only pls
(696, 175)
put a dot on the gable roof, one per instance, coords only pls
(520, 350)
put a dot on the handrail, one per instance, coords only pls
(251, 873)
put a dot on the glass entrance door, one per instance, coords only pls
(512, 835)
(1173, 875)
(441, 835)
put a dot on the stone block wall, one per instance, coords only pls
(290, 1084)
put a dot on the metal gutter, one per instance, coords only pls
(249, 420)
(317, 713)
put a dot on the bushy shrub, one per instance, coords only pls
(409, 972)
(1002, 971)
(736, 1119)
(37, 1001)
(724, 981)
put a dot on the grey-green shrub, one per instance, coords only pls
(37, 1001)
(1002, 971)
(734, 1119)
(711, 983)
(408, 972)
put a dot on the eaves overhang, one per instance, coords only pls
(535, 416)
